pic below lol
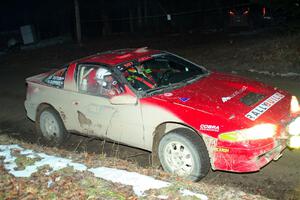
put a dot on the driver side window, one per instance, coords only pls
(98, 81)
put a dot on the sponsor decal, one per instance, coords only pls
(221, 149)
(57, 78)
(184, 99)
(209, 127)
(128, 64)
(121, 68)
(168, 94)
(264, 106)
(55, 81)
(225, 99)
(144, 58)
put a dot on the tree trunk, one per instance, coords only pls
(139, 14)
(146, 12)
(131, 22)
(106, 25)
(77, 19)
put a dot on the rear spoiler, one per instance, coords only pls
(37, 78)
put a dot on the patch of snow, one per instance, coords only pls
(26, 152)
(56, 163)
(31, 156)
(162, 197)
(140, 183)
(9, 161)
(289, 74)
(57, 178)
(50, 182)
(185, 192)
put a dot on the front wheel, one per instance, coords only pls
(184, 153)
(50, 127)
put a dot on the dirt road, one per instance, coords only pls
(278, 180)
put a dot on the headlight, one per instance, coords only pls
(294, 142)
(260, 131)
(295, 105)
(294, 127)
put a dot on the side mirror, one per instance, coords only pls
(123, 100)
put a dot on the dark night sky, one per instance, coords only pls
(15, 13)
(55, 17)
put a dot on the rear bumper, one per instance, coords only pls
(247, 160)
(239, 22)
(30, 110)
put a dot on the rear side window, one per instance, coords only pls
(56, 79)
(97, 80)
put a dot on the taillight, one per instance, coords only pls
(231, 13)
(28, 90)
(246, 12)
(264, 11)
(31, 90)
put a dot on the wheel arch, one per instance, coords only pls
(44, 105)
(161, 130)
(64, 133)
(41, 106)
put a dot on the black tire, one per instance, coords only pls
(187, 141)
(57, 135)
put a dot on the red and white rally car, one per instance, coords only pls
(191, 119)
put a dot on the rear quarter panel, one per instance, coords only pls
(38, 93)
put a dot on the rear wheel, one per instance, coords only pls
(184, 153)
(49, 127)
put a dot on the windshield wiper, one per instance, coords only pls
(158, 89)
(164, 88)
(194, 78)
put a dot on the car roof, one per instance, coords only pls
(116, 57)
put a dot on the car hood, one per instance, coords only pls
(228, 96)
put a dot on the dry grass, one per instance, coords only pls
(279, 54)
(67, 183)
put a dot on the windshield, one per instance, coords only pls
(160, 71)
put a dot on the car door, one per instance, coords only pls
(91, 108)
(94, 112)
(126, 123)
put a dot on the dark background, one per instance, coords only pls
(198, 31)
(101, 17)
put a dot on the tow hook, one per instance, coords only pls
(277, 157)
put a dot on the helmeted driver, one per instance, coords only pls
(107, 85)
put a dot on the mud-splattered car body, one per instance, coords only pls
(243, 123)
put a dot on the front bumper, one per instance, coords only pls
(250, 156)
(294, 133)
(247, 160)
(239, 22)
(294, 142)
